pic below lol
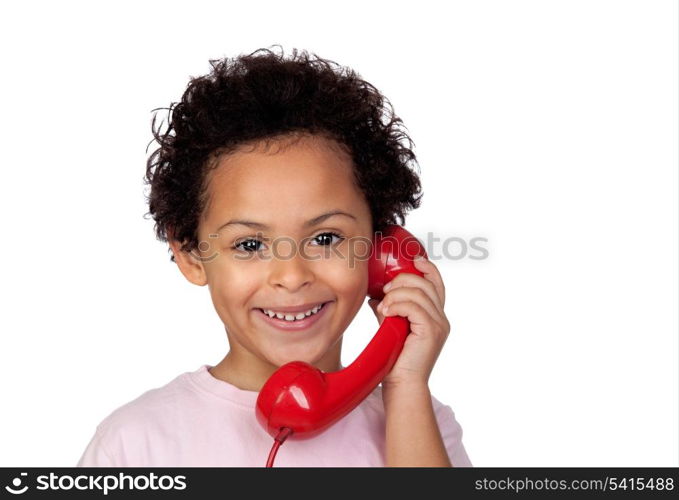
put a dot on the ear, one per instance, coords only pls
(191, 267)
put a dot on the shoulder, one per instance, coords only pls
(148, 406)
(449, 426)
(451, 434)
(442, 411)
(374, 405)
(120, 435)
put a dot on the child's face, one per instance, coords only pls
(283, 190)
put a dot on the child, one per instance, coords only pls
(272, 168)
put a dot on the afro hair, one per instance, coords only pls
(263, 96)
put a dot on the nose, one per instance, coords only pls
(290, 269)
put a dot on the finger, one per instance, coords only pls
(415, 281)
(421, 322)
(432, 274)
(412, 294)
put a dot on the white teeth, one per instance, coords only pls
(292, 317)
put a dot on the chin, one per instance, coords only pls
(296, 353)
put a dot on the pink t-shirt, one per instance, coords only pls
(197, 420)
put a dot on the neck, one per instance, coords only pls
(244, 370)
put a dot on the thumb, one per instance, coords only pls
(373, 303)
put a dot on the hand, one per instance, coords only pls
(420, 299)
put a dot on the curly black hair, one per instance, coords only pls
(262, 96)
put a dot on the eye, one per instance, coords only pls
(252, 245)
(327, 237)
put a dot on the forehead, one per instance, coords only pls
(282, 179)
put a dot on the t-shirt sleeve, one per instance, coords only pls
(96, 454)
(451, 432)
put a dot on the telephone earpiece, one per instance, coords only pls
(301, 401)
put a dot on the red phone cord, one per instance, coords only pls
(283, 434)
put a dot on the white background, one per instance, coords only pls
(547, 127)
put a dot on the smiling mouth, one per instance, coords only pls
(304, 324)
(291, 317)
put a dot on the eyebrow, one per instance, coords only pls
(310, 223)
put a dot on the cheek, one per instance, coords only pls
(232, 286)
(349, 284)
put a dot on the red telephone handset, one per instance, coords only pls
(299, 400)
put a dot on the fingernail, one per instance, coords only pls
(387, 286)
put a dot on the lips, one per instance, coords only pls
(294, 309)
(302, 324)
